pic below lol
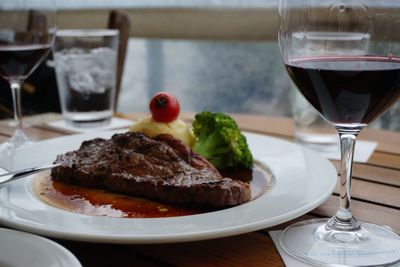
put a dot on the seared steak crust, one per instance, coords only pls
(162, 168)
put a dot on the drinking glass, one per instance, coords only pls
(350, 85)
(86, 69)
(27, 29)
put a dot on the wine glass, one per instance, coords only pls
(27, 29)
(344, 57)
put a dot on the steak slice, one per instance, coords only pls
(162, 169)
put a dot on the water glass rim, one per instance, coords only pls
(87, 32)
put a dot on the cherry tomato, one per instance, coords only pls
(164, 107)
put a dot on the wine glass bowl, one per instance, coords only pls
(344, 58)
(27, 30)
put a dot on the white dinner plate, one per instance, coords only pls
(303, 181)
(22, 249)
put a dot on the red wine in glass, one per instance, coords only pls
(18, 61)
(348, 90)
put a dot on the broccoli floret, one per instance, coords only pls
(220, 141)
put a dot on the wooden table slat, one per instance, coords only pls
(374, 173)
(375, 192)
(385, 160)
(363, 211)
(388, 148)
(35, 134)
(253, 249)
(389, 141)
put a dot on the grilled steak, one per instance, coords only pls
(162, 169)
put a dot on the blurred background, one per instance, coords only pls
(212, 54)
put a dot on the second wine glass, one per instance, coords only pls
(27, 30)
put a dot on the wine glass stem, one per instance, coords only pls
(16, 96)
(344, 220)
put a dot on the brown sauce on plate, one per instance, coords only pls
(99, 202)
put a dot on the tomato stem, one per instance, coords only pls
(161, 102)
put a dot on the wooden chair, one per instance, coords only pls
(121, 22)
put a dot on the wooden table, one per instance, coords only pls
(376, 198)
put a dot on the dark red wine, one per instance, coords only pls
(21, 60)
(348, 90)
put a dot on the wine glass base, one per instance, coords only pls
(19, 138)
(7, 149)
(312, 242)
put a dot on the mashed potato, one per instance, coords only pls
(177, 128)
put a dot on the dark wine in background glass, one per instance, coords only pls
(20, 60)
(344, 57)
(27, 31)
